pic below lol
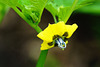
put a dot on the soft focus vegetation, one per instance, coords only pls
(3, 10)
(19, 46)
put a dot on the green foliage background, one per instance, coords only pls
(94, 8)
(3, 10)
(31, 10)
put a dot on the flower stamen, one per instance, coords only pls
(61, 43)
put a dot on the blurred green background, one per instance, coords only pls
(19, 46)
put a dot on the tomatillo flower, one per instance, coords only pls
(56, 35)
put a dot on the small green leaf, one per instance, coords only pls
(31, 9)
(63, 8)
(63, 11)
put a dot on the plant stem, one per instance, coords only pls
(36, 27)
(43, 54)
(42, 58)
(55, 20)
(71, 10)
(20, 14)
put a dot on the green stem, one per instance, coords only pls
(71, 10)
(20, 14)
(42, 58)
(55, 20)
(36, 27)
(43, 54)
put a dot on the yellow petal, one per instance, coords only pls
(45, 46)
(51, 30)
(58, 29)
(47, 34)
(70, 29)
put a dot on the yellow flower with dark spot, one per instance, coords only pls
(56, 35)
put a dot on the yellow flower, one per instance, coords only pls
(54, 34)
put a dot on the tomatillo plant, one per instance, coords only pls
(55, 34)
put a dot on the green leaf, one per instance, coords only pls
(3, 10)
(63, 8)
(94, 8)
(11, 3)
(31, 9)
